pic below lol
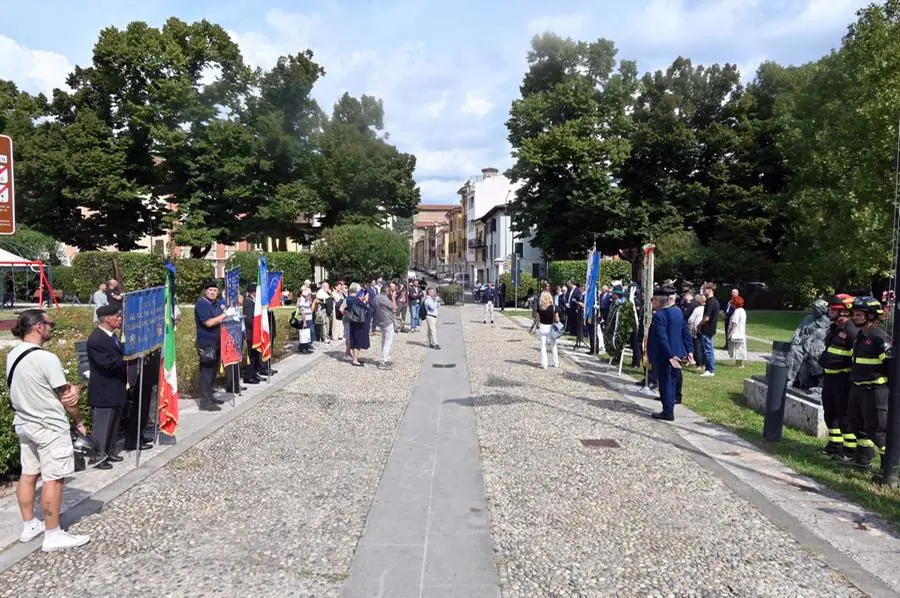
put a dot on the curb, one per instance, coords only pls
(840, 562)
(98, 500)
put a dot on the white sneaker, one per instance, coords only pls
(63, 540)
(32, 530)
(707, 374)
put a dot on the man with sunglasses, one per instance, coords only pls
(41, 399)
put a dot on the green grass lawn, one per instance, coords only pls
(773, 325)
(720, 400)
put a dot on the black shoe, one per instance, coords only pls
(115, 458)
(210, 406)
(252, 381)
(145, 446)
(663, 416)
(678, 401)
(103, 465)
(438, 347)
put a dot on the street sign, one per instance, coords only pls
(7, 187)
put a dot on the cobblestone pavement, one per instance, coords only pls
(270, 505)
(643, 520)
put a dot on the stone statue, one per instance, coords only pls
(807, 346)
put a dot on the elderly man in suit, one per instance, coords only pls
(667, 345)
(106, 384)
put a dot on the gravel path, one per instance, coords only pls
(271, 505)
(641, 520)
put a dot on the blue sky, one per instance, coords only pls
(447, 71)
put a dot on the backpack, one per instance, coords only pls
(423, 312)
(339, 310)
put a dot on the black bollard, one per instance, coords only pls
(891, 458)
(776, 377)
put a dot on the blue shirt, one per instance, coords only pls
(205, 310)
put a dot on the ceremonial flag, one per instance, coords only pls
(168, 377)
(274, 292)
(262, 340)
(590, 285)
(231, 341)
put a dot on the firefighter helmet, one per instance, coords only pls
(869, 306)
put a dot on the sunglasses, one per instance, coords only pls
(49, 323)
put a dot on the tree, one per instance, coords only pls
(285, 120)
(569, 137)
(359, 252)
(359, 173)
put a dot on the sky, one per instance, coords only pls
(447, 71)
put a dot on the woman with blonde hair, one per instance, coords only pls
(547, 318)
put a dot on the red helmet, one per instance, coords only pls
(840, 304)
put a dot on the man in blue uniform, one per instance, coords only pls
(667, 345)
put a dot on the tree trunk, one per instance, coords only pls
(200, 252)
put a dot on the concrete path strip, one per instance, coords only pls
(428, 532)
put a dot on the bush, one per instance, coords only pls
(75, 324)
(295, 265)
(450, 294)
(358, 252)
(136, 271)
(528, 285)
(190, 274)
(565, 271)
(63, 280)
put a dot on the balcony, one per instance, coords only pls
(477, 242)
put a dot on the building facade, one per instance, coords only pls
(500, 243)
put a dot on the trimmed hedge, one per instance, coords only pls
(359, 252)
(64, 280)
(296, 266)
(528, 285)
(75, 324)
(138, 271)
(563, 271)
(450, 294)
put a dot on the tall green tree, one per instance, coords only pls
(359, 173)
(569, 133)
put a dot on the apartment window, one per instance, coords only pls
(536, 270)
(493, 225)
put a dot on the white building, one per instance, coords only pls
(500, 242)
(478, 196)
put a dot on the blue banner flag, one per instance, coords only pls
(144, 321)
(590, 286)
(232, 282)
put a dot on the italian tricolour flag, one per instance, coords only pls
(262, 338)
(168, 376)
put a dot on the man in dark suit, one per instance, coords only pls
(106, 384)
(681, 339)
(148, 387)
(665, 349)
(251, 371)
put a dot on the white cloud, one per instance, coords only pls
(435, 108)
(476, 104)
(33, 70)
(440, 190)
(747, 68)
(565, 25)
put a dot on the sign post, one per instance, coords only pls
(7, 187)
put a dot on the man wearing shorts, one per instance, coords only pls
(41, 398)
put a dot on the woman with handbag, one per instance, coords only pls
(302, 319)
(549, 328)
(357, 315)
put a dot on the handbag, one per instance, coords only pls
(305, 336)
(556, 330)
(358, 313)
(207, 354)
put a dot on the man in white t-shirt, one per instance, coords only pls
(41, 398)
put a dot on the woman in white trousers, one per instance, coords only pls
(547, 317)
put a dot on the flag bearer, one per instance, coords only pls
(867, 409)
(837, 361)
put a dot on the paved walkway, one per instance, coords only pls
(428, 531)
(462, 472)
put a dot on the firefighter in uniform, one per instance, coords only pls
(837, 361)
(867, 410)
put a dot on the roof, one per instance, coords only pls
(491, 212)
(436, 207)
(7, 258)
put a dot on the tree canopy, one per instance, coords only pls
(788, 177)
(168, 128)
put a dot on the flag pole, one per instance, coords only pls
(140, 432)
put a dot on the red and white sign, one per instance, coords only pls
(7, 187)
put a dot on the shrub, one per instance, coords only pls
(190, 274)
(450, 294)
(63, 279)
(564, 271)
(133, 270)
(528, 285)
(295, 265)
(75, 324)
(358, 252)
